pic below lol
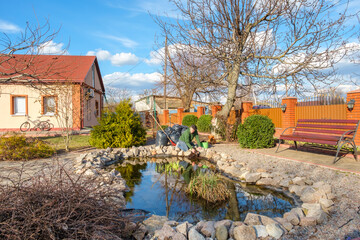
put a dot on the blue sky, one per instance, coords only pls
(120, 32)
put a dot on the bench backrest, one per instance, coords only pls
(336, 127)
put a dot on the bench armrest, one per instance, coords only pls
(285, 130)
(347, 133)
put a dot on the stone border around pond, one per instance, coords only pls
(317, 197)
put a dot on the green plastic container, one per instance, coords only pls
(205, 145)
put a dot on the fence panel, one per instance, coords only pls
(273, 113)
(321, 112)
(173, 118)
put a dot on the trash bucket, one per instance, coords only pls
(205, 145)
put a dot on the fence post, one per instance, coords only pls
(215, 109)
(200, 111)
(288, 117)
(354, 114)
(246, 108)
(180, 113)
(165, 117)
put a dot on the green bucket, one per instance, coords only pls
(205, 145)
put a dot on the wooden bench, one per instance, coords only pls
(323, 131)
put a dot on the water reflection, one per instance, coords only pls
(158, 187)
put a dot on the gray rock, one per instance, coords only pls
(274, 230)
(298, 181)
(234, 225)
(226, 223)
(171, 223)
(310, 195)
(284, 224)
(221, 232)
(292, 218)
(178, 236)
(183, 228)
(154, 223)
(208, 229)
(319, 215)
(326, 203)
(195, 235)
(166, 232)
(257, 219)
(265, 181)
(140, 232)
(297, 189)
(298, 211)
(284, 183)
(244, 232)
(199, 226)
(307, 221)
(261, 231)
(252, 177)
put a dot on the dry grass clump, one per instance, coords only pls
(208, 186)
(56, 205)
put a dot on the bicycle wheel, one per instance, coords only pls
(44, 126)
(25, 126)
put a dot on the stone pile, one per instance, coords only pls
(317, 197)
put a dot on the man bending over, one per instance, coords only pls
(185, 142)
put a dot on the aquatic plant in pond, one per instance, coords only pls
(160, 187)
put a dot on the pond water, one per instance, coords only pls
(157, 186)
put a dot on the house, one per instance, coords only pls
(65, 90)
(157, 102)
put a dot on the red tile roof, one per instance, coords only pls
(48, 68)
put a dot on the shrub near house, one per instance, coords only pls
(204, 123)
(189, 120)
(121, 128)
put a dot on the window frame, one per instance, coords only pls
(43, 105)
(93, 76)
(97, 108)
(12, 105)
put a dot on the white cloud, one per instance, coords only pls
(124, 79)
(121, 59)
(124, 41)
(102, 55)
(52, 47)
(118, 59)
(8, 27)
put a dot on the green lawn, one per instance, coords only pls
(76, 142)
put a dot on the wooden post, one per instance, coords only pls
(165, 117)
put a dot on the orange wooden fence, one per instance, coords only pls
(321, 112)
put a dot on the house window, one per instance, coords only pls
(49, 105)
(93, 76)
(97, 108)
(19, 105)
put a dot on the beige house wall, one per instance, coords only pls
(34, 105)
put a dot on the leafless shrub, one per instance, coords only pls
(58, 205)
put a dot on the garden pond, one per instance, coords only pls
(159, 186)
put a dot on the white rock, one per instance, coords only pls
(261, 231)
(274, 230)
(298, 181)
(195, 235)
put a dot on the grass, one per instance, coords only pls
(76, 142)
(208, 186)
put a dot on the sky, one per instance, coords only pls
(121, 33)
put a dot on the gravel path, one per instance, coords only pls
(346, 187)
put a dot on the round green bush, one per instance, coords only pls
(257, 131)
(119, 129)
(189, 120)
(18, 147)
(204, 123)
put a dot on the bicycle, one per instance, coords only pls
(42, 125)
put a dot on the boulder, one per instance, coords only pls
(261, 231)
(234, 225)
(244, 232)
(298, 211)
(284, 183)
(195, 235)
(226, 223)
(292, 218)
(307, 221)
(274, 230)
(154, 223)
(183, 228)
(208, 229)
(252, 177)
(166, 232)
(140, 232)
(285, 224)
(179, 236)
(310, 195)
(257, 219)
(326, 203)
(298, 181)
(221, 232)
(265, 181)
(297, 189)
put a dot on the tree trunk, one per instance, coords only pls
(231, 96)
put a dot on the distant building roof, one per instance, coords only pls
(48, 68)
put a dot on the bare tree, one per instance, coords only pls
(277, 43)
(193, 76)
(30, 42)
